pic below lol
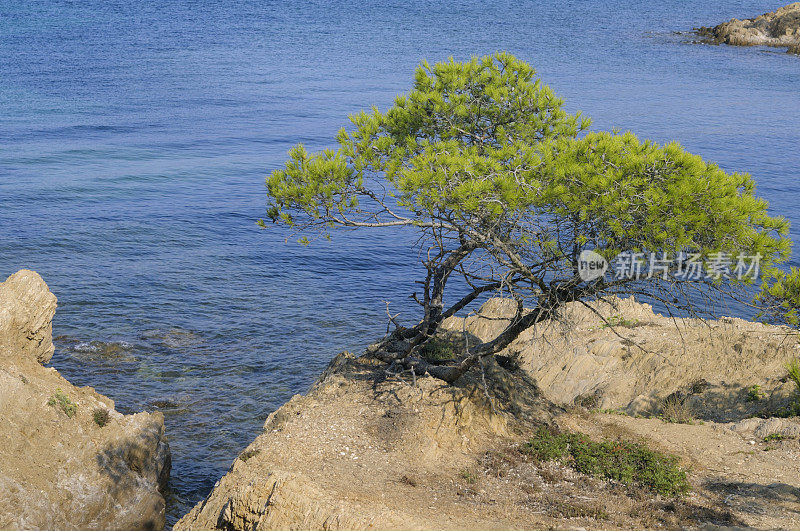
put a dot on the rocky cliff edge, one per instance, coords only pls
(68, 459)
(367, 447)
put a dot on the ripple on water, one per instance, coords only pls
(95, 350)
(174, 338)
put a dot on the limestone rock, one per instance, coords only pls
(761, 428)
(26, 313)
(366, 448)
(645, 357)
(332, 459)
(59, 468)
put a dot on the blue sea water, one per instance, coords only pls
(135, 138)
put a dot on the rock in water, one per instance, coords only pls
(68, 460)
(778, 28)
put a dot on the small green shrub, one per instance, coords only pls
(619, 321)
(468, 476)
(100, 416)
(754, 393)
(675, 409)
(61, 400)
(438, 350)
(608, 411)
(793, 368)
(626, 462)
(793, 409)
(775, 437)
(248, 454)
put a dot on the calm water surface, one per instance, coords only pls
(135, 137)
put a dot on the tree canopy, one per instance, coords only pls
(508, 191)
(779, 298)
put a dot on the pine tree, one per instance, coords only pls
(507, 190)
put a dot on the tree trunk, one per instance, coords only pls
(451, 373)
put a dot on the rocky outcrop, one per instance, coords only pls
(369, 447)
(68, 460)
(26, 315)
(635, 359)
(351, 454)
(779, 28)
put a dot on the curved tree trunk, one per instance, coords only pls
(451, 373)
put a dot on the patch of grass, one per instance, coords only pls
(438, 350)
(676, 410)
(100, 416)
(62, 401)
(754, 393)
(470, 477)
(619, 321)
(562, 509)
(793, 409)
(607, 411)
(587, 401)
(626, 462)
(793, 369)
(698, 387)
(776, 437)
(244, 456)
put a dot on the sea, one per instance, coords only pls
(135, 137)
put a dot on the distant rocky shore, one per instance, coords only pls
(780, 28)
(68, 459)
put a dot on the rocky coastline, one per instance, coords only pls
(68, 459)
(779, 28)
(367, 447)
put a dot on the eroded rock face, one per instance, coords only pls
(370, 448)
(59, 468)
(778, 28)
(637, 363)
(26, 314)
(336, 458)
